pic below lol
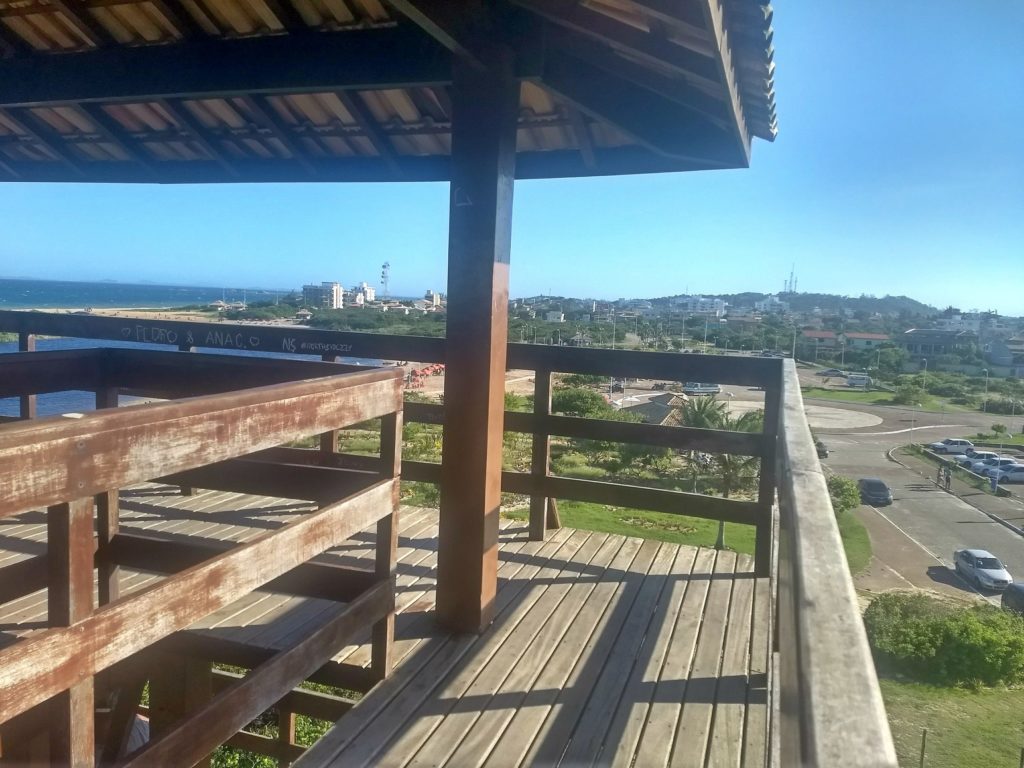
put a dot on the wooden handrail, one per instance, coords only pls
(831, 706)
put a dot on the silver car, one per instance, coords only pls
(1012, 474)
(982, 569)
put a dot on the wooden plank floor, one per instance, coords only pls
(605, 649)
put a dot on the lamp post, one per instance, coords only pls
(924, 375)
(984, 403)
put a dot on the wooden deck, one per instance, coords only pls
(605, 649)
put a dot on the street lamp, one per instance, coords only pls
(984, 403)
(924, 376)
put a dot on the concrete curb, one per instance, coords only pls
(995, 518)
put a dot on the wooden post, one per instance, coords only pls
(485, 106)
(184, 489)
(329, 440)
(285, 733)
(766, 484)
(107, 519)
(540, 465)
(69, 600)
(179, 685)
(27, 343)
(383, 638)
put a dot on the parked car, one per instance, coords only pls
(874, 492)
(1011, 474)
(981, 568)
(1013, 598)
(858, 380)
(972, 456)
(982, 467)
(821, 448)
(999, 466)
(832, 372)
(952, 445)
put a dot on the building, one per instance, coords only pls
(699, 305)
(432, 298)
(323, 296)
(820, 339)
(554, 317)
(864, 340)
(933, 341)
(772, 305)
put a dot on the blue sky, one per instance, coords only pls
(898, 169)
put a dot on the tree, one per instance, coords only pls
(703, 412)
(844, 494)
(908, 393)
(999, 429)
(576, 401)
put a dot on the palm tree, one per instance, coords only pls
(704, 412)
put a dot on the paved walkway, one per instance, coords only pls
(1006, 509)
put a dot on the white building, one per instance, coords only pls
(772, 305)
(554, 317)
(700, 305)
(324, 296)
(434, 299)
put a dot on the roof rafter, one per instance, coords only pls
(626, 39)
(660, 125)
(287, 14)
(723, 59)
(371, 130)
(12, 44)
(113, 132)
(582, 132)
(264, 112)
(183, 21)
(42, 134)
(454, 24)
(181, 115)
(83, 21)
(306, 62)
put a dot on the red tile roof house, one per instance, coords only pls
(823, 339)
(865, 340)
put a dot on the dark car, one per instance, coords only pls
(821, 448)
(873, 491)
(1013, 598)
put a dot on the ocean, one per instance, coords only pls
(51, 294)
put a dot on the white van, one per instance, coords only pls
(696, 388)
(858, 380)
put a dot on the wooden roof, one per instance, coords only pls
(356, 90)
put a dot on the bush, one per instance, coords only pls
(931, 641)
(843, 493)
(908, 393)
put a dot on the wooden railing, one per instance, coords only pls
(831, 709)
(828, 696)
(73, 467)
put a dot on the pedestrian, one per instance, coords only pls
(993, 482)
(938, 474)
(949, 478)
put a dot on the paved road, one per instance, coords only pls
(936, 521)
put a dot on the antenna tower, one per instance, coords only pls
(385, 273)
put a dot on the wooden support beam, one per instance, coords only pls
(107, 519)
(300, 701)
(480, 209)
(301, 62)
(45, 136)
(178, 686)
(83, 21)
(12, 44)
(27, 403)
(541, 459)
(287, 14)
(197, 132)
(386, 545)
(265, 113)
(455, 24)
(69, 602)
(371, 130)
(767, 480)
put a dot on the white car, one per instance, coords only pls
(1011, 474)
(972, 456)
(980, 567)
(952, 445)
(994, 465)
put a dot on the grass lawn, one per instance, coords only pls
(677, 529)
(876, 397)
(964, 727)
(856, 543)
(988, 437)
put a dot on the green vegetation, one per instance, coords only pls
(856, 543)
(936, 641)
(369, 320)
(976, 727)
(878, 397)
(677, 529)
(843, 493)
